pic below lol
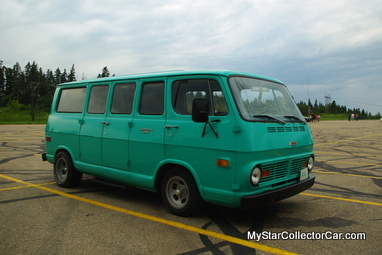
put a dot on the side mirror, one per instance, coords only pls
(200, 108)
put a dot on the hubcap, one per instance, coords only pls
(61, 170)
(177, 192)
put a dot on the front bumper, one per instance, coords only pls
(253, 201)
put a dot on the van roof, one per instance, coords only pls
(225, 73)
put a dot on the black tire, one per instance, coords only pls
(64, 172)
(180, 193)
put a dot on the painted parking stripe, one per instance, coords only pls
(342, 199)
(351, 163)
(355, 175)
(347, 140)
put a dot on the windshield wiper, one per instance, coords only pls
(268, 117)
(295, 118)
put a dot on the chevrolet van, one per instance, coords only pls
(228, 138)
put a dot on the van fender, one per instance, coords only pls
(65, 148)
(167, 164)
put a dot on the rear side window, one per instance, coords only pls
(97, 100)
(185, 91)
(71, 100)
(152, 101)
(123, 98)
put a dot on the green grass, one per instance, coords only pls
(332, 116)
(22, 116)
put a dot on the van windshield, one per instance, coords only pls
(264, 101)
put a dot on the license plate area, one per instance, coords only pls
(304, 174)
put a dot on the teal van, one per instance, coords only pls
(228, 138)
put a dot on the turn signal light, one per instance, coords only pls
(222, 162)
(264, 173)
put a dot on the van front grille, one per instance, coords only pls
(296, 165)
(281, 171)
(276, 171)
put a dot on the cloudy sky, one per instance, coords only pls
(315, 47)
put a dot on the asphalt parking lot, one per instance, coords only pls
(38, 217)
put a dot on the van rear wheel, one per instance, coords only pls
(64, 172)
(180, 193)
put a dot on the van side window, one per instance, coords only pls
(152, 101)
(71, 100)
(123, 97)
(97, 100)
(185, 91)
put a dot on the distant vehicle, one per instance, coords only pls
(229, 138)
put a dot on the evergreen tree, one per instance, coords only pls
(72, 74)
(333, 107)
(16, 83)
(105, 73)
(57, 76)
(64, 76)
(33, 83)
(2, 82)
(51, 82)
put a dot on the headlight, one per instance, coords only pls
(310, 163)
(255, 176)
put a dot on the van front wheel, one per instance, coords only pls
(180, 193)
(64, 172)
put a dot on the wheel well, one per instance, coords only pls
(59, 150)
(63, 150)
(163, 170)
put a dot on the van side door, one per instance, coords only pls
(92, 125)
(118, 122)
(146, 146)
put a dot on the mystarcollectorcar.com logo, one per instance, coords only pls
(298, 235)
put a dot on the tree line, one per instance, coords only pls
(318, 108)
(31, 86)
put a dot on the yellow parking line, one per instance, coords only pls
(347, 140)
(19, 187)
(23, 187)
(356, 175)
(156, 219)
(351, 163)
(12, 138)
(347, 154)
(342, 199)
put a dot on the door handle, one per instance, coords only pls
(105, 123)
(170, 126)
